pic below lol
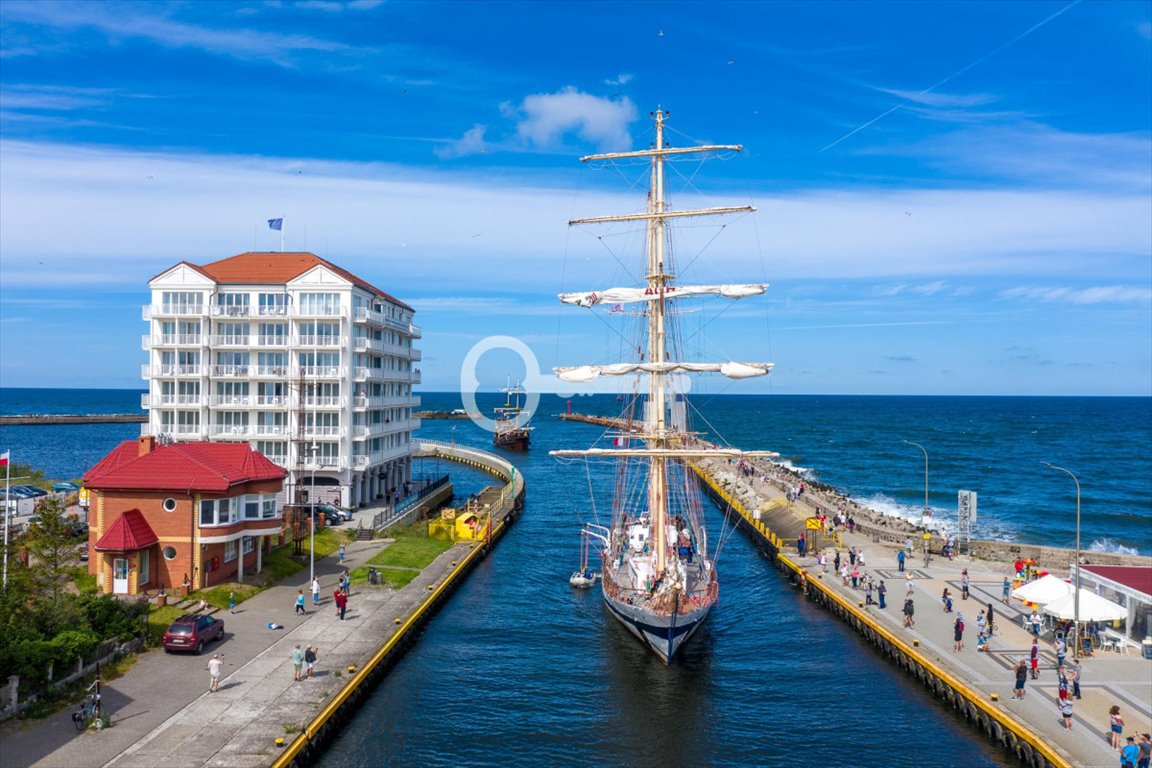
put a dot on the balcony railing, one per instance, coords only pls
(231, 340)
(272, 430)
(271, 400)
(230, 430)
(232, 400)
(278, 310)
(323, 401)
(174, 310)
(364, 315)
(272, 341)
(232, 311)
(322, 431)
(230, 370)
(319, 341)
(274, 371)
(169, 401)
(170, 369)
(320, 371)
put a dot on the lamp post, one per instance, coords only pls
(1076, 568)
(925, 513)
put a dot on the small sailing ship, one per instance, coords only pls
(510, 434)
(657, 575)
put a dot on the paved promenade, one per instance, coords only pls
(1108, 678)
(162, 711)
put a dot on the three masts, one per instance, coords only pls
(657, 575)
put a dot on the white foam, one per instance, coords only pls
(1107, 545)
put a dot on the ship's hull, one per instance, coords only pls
(664, 634)
(513, 440)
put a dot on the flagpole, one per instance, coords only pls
(7, 509)
(282, 234)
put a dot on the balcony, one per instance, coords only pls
(322, 431)
(149, 341)
(272, 430)
(184, 430)
(319, 371)
(232, 400)
(231, 430)
(365, 315)
(277, 310)
(271, 401)
(170, 401)
(319, 341)
(174, 310)
(231, 311)
(321, 311)
(271, 341)
(231, 341)
(170, 369)
(272, 371)
(323, 401)
(230, 370)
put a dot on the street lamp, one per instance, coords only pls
(925, 514)
(1076, 571)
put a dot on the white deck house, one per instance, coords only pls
(307, 363)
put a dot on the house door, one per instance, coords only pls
(120, 576)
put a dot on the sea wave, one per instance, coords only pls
(1111, 547)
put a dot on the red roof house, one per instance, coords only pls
(182, 515)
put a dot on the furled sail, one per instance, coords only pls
(586, 373)
(629, 295)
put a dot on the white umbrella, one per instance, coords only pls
(1092, 608)
(1043, 590)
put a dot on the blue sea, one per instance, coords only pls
(519, 669)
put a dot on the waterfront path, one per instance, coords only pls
(1108, 678)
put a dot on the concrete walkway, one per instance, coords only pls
(161, 707)
(1108, 678)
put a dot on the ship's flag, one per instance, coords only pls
(276, 224)
(4, 458)
(618, 442)
(616, 308)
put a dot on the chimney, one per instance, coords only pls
(145, 445)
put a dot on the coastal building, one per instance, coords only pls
(180, 515)
(1127, 585)
(294, 356)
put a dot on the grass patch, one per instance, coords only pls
(404, 558)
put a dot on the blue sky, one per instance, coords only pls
(952, 198)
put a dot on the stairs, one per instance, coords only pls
(363, 534)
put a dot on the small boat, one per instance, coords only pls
(583, 579)
(509, 433)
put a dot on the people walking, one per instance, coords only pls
(1034, 622)
(958, 633)
(1006, 588)
(297, 662)
(342, 551)
(1129, 754)
(946, 600)
(911, 587)
(1021, 678)
(215, 664)
(345, 583)
(1115, 725)
(1066, 713)
(965, 583)
(1144, 750)
(1073, 674)
(309, 660)
(900, 560)
(909, 614)
(300, 602)
(1034, 658)
(315, 590)
(1061, 649)
(990, 619)
(231, 602)
(341, 603)
(881, 591)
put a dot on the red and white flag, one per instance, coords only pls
(4, 458)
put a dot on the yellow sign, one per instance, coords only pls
(448, 514)
(812, 524)
(83, 497)
(927, 535)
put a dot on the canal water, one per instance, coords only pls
(519, 669)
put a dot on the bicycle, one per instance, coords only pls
(91, 711)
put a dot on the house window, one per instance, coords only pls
(230, 550)
(252, 508)
(248, 544)
(169, 553)
(268, 504)
(169, 504)
(208, 512)
(144, 577)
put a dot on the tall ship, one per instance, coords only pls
(511, 432)
(657, 574)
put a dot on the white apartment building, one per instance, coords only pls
(307, 363)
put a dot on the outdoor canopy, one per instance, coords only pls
(1092, 608)
(1043, 590)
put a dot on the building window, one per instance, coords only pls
(268, 507)
(208, 512)
(252, 508)
(143, 575)
(169, 553)
(169, 504)
(249, 544)
(230, 550)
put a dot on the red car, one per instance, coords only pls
(192, 632)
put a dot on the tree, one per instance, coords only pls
(53, 562)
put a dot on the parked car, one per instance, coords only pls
(29, 491)
(192, 632)
(77, 528)
(345, 514)
(65, 487)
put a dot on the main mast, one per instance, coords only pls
(657, 352)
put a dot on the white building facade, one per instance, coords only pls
(307, 363)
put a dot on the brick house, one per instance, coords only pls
(181, 515)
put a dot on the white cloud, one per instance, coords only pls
(941, 100)
(621, 79)
(1102, 294)
(545, 118)
(473, 143)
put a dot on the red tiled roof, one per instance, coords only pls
(276, 267)
(1135, 577)
(129, 533)
(186, 467)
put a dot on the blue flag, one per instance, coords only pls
(277, 224)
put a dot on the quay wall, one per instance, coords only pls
(324, 727)
(975, 706)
